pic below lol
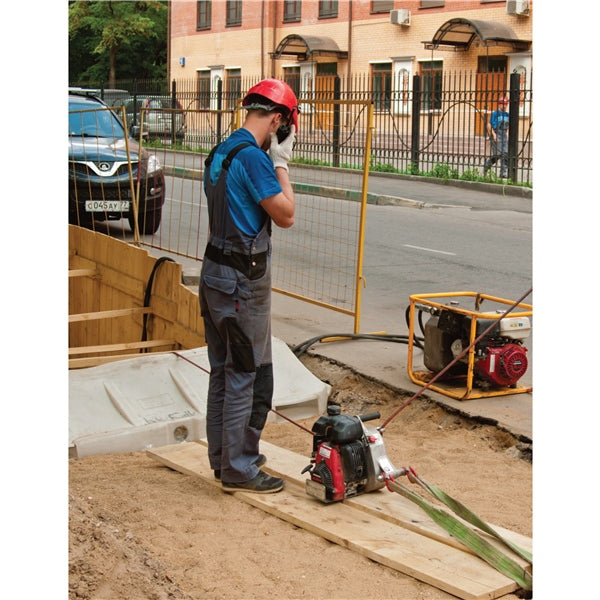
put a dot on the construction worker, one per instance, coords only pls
(247, 185)
(497, 128)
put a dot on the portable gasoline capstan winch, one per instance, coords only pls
(349, 457)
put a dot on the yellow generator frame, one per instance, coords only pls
(460, 387)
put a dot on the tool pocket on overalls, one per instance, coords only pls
(216, 291)
(242, 353)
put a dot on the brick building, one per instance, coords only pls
(307, 42)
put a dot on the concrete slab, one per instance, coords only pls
(149, 401)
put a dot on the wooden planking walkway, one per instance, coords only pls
(382, 526)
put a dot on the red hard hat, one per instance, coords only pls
(277, 92)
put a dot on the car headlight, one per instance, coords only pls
(153, 164)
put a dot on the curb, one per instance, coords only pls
(381, 200)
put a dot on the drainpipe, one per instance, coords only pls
(274, 6)
(168, 41)
(262, 40)
(349, 43)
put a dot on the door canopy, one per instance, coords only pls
(307, 47)
(459, 34)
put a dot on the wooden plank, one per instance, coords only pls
(121, 346)
(393, 507)
(109, 314)
(94, 361)
(83, 273)
(446, 567)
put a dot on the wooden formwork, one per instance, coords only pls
(108, 282)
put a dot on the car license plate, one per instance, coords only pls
(106, 205)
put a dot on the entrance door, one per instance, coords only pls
(324, 90)
(491, 83)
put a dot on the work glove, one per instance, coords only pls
(281, 153)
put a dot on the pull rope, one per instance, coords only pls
(272, 409)
(472, 540)
(462, 511)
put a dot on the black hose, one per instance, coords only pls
(384, 337)
(147, 295)
(417, 340)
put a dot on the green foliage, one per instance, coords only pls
(310, 161)
(111, 39)
(471, 175)
(383, 168)
(443, 171)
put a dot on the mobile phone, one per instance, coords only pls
(283, 132)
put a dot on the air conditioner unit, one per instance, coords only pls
(517, 7)
(400, 16)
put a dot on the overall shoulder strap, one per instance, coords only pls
(209, 158)
(232, 153)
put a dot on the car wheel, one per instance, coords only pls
(148, 222)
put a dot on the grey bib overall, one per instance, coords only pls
(235, 303)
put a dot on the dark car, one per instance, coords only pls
(102, 181)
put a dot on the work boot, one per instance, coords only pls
(260, 461)
(261, 484)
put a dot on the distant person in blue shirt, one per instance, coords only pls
(497, 129)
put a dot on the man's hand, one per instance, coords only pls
(281, 153)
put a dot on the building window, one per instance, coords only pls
(432, 3)
(292, 11)
(233, 81)
(328, 9)
(291, 75)
(431, 84)
(381, 6)
(203, 14)
(204, 89)
(491, 64)
(381, 85)
(234, 13)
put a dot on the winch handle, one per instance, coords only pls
(370, 416)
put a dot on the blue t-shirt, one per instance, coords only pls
(251, 178)
(499, 119)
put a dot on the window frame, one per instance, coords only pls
(382, 72)
(292, 75)
(381, 6)
(431, 95)
(328, 9)
(233, 13)
(203, 15)
(233, 86)
(432, 4)
(204, 94)
(292, 11)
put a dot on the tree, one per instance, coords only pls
(100, 31)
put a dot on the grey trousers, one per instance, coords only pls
(237, 323)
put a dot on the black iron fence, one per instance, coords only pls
(434, 124)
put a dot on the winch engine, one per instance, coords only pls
(348, 458)
(500, 356)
